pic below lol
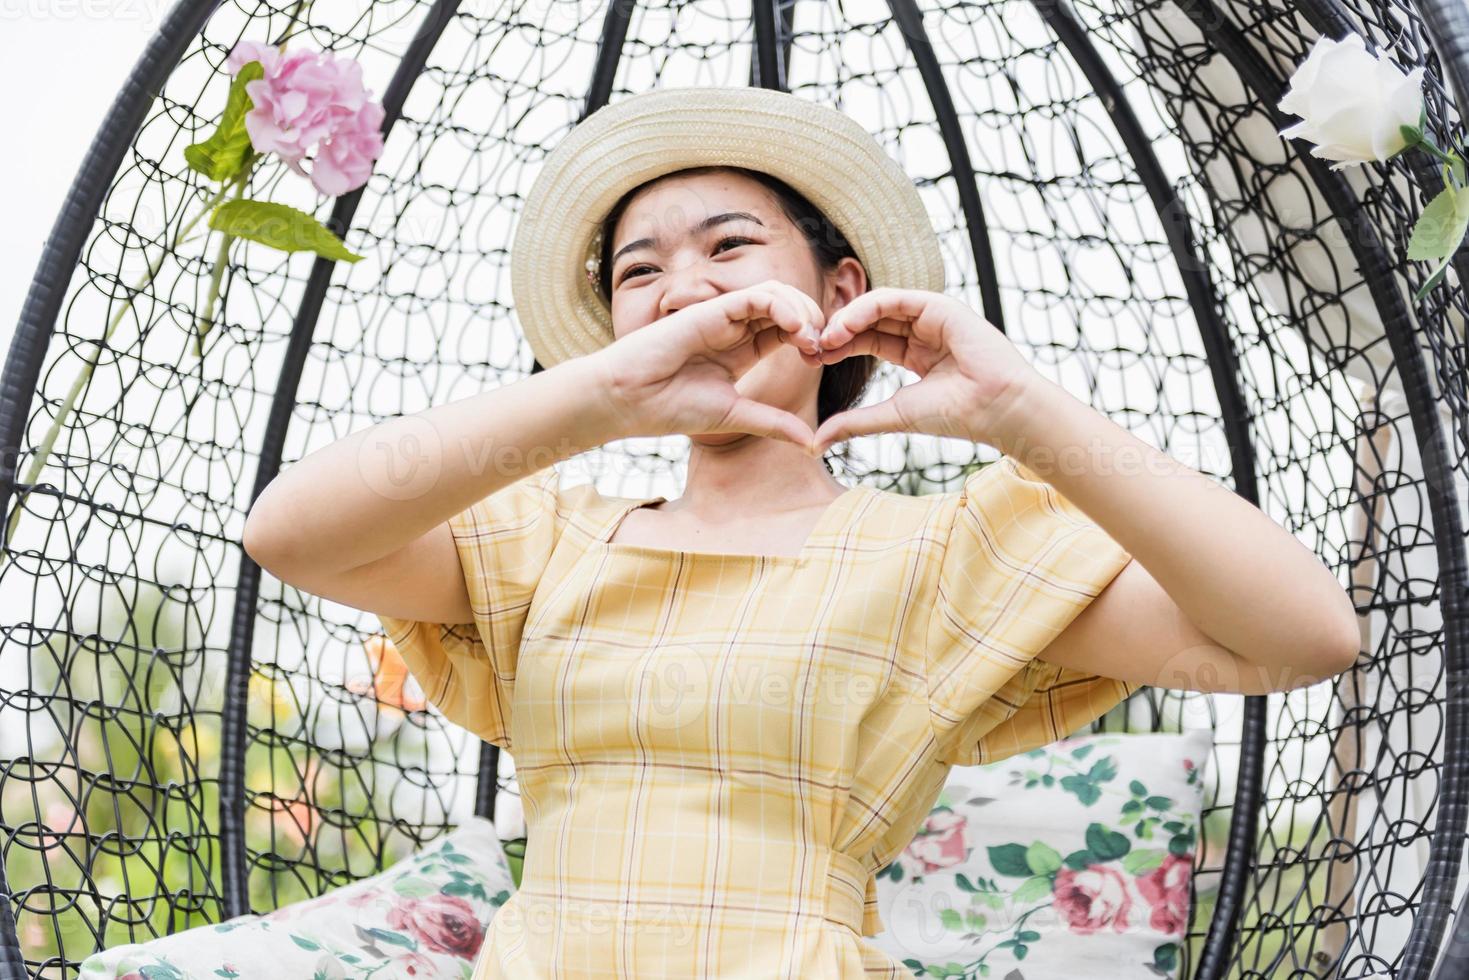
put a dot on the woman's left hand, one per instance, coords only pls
(970, 374)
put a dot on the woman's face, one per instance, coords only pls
(662, 261)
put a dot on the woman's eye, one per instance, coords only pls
(736, 239)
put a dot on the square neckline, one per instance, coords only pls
(828, 523)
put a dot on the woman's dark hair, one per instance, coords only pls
(842, 383)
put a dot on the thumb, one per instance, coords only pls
(882, 417)
(758, 418)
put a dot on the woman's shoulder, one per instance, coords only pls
(986, 494)
(546, 496)
(954, 491)
(580, 502)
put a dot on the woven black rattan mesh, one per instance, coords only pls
(184, 739)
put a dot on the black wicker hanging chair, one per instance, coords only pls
(1110, 189)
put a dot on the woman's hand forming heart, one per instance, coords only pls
(970, 374)
(678, 374)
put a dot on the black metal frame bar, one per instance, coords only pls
(910, 23)
(770, 62)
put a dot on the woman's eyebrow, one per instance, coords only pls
(699, 229)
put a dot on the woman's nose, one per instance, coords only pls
(685, 285)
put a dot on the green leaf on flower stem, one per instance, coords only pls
(223, 155)
(1441, 226)
(1438, 232)
(1430, 282)
(279, 226)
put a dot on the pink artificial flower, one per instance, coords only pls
(1166, 889)
(247, 51)
(1092, 899)
(310, 99)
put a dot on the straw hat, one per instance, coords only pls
(819, 151)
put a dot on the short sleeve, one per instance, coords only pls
(467, 670)
(1019, 563)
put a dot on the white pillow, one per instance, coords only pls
(425, 918)
(1077, 852)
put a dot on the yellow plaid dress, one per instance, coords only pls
(716, 752)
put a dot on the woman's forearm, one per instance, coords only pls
(1240, 578)
(372, 492)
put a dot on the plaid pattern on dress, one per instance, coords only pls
(716, 752)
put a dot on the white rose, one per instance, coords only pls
(1352, 103)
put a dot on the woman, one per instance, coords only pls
(728, 710)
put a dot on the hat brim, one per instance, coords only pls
(819, 151)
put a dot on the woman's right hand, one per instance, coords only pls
(676, 375)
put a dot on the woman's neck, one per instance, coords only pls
(751, 476)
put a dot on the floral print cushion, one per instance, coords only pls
(423, 918)
(1078, 853)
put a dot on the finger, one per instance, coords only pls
(731, 322)
(739, 360)
(814, 360)
(807, 315)
(758, 418)
(773, 338)
(869, 419)
(893, 308)
(813, 310)
(758, 303)
(888, 346)
(808, 336)
(806, 305)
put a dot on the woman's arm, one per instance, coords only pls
(1219, 597)
(362, 521)
(382, 492)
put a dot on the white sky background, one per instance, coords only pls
(61, 63)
